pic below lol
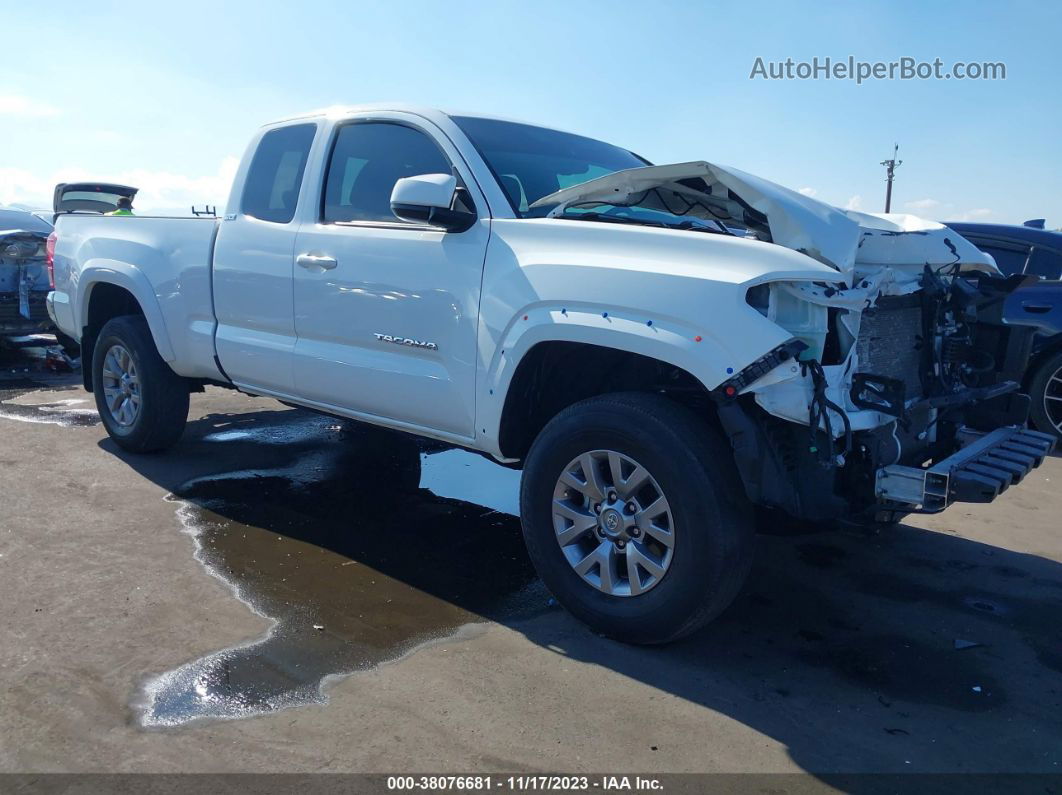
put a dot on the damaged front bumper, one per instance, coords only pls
(979, 472)
(899, 395)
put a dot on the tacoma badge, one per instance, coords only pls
(431, 346)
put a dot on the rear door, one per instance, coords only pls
(253, 263)
(387, 326)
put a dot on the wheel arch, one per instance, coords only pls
(113, 292)
(555, 374)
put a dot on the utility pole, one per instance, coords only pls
(890, 170)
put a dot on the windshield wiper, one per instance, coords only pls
(614, 219)
(694, 227)
(617, 219)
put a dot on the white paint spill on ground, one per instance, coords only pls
(466, 476)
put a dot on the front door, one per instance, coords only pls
(385, 311)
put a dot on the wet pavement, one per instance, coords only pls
(353, 562)
(29, 367)
(389, 595)
(335, 543)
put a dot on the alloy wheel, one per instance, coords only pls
(121, 386)
(613, 523)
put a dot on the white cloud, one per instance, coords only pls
(921, 205)
(977, 214)
(854, 203)
(160, 191)
(809, 192)
(18, 105)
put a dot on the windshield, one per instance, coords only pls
(531, 162)
(17, 219)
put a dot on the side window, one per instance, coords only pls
(275, 175)
(1045, 263)
(367, 160)
(1010, 257)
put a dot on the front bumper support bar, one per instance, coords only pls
(979, 472)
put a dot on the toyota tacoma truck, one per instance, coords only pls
(670, 353)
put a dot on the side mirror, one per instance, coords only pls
(429, 199)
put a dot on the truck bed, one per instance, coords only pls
(164, 262)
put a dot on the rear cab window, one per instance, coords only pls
(274, 178)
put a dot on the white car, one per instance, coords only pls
(557, 302)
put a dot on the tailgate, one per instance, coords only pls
(89, 197)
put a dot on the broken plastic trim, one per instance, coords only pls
(731, 388)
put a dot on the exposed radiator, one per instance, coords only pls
(889, 340)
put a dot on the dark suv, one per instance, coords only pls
(1032, 251)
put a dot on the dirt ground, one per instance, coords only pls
(289, 611)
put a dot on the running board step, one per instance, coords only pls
(979, 472)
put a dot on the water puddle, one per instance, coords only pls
(354, 564)
(46, 408)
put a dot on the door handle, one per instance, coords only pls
(1038, 309)
(311, 261)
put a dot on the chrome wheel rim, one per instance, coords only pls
(121, 386)
(613, 523)
(1053, 400)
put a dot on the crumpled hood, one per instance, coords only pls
(842, 239)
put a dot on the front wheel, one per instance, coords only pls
(1045, 391)
(143, 404)
(635, 517)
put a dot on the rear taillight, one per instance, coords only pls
(49, 258)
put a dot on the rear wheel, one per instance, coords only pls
(635, 518)
(143, 404)
(1045, 391)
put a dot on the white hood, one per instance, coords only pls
(842, 239)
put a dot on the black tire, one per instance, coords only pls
(163, 410)
(1041, 388)
(713, 520)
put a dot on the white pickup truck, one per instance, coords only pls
(666, 351)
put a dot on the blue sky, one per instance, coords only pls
(165, 96)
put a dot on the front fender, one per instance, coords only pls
(701, 351)
(128, 277)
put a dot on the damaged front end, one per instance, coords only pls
(900, 394)
(24, 282)
(898, 390)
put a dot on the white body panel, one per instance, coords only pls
(465, 308)
(416, 285)
(163, 262)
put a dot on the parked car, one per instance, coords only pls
(1031, 251)
(555, 302)
(24, 282)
